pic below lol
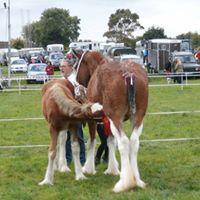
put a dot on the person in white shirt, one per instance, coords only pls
(66, 68)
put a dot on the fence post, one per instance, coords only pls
(181, 81)
(19, 85)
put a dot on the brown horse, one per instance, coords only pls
(63, 112)
(122, 89)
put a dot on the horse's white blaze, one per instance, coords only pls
(126, 181)
(96, 107)
(77, 164)
(112, 161)
(89, 166)
(134, 147)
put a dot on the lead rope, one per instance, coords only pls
(79, 62)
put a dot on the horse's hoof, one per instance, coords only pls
(121, 187)
(88, 171)
(115, 172)
(45, 182)
(140, 184)
(81, 177)
(64, 169)
(118, 187)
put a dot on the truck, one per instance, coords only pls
(188, 60)
(55, 48)
(14, 54)
(87, 45)
(159, 50)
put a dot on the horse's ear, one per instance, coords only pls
(77, 52)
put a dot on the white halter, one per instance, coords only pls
(78, 62)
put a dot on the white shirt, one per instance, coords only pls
(72, 79)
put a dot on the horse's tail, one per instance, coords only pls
(130, 81)
(70, 106)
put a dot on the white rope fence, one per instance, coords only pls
(152, 113)
(22, 86)
(142, 141)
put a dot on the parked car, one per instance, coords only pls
(55, 58)
(18, 65)
(190, 64)
(36, 73)
(116, 52)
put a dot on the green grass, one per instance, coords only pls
(170, 169)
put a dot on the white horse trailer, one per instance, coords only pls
(159, 51)
(55, 48)
(90, 45)
(14, 54)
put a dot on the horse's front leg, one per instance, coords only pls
(76, 152)
(134, 147)
(48, 179)
(89, 166)
(61, 149)
(112, 161)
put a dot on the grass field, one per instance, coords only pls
(170, 169)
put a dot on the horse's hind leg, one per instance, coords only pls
(48, 179)
(112, 161)
(89, 166)
(127, 180)
(62, 162)
(134, 147)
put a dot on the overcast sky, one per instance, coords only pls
(175, 16)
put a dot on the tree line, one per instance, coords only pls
(57, 26)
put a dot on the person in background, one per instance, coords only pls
(50, 70)
(179, 70)
(32, 61)
(168, 70)
(103, 147)
(145, 55)
(197, 55)
(66, 68)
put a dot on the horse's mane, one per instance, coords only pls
(96, 57)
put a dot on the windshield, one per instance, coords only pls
(18, 62)
(56, 56)
(13, 54)
(35, 54)
(38, 68)
(187, 58)
(118, 52)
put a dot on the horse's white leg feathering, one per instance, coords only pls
(89, 166)
(127, 180)
(112, 161)
(77, 164)
(62, 162)
(134, 147)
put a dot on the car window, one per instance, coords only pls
(56, 56)
(189, 59)
(186, 58)
(18, 62)
(38, 68)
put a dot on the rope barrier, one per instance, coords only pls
(142, 141)
(153, 113)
